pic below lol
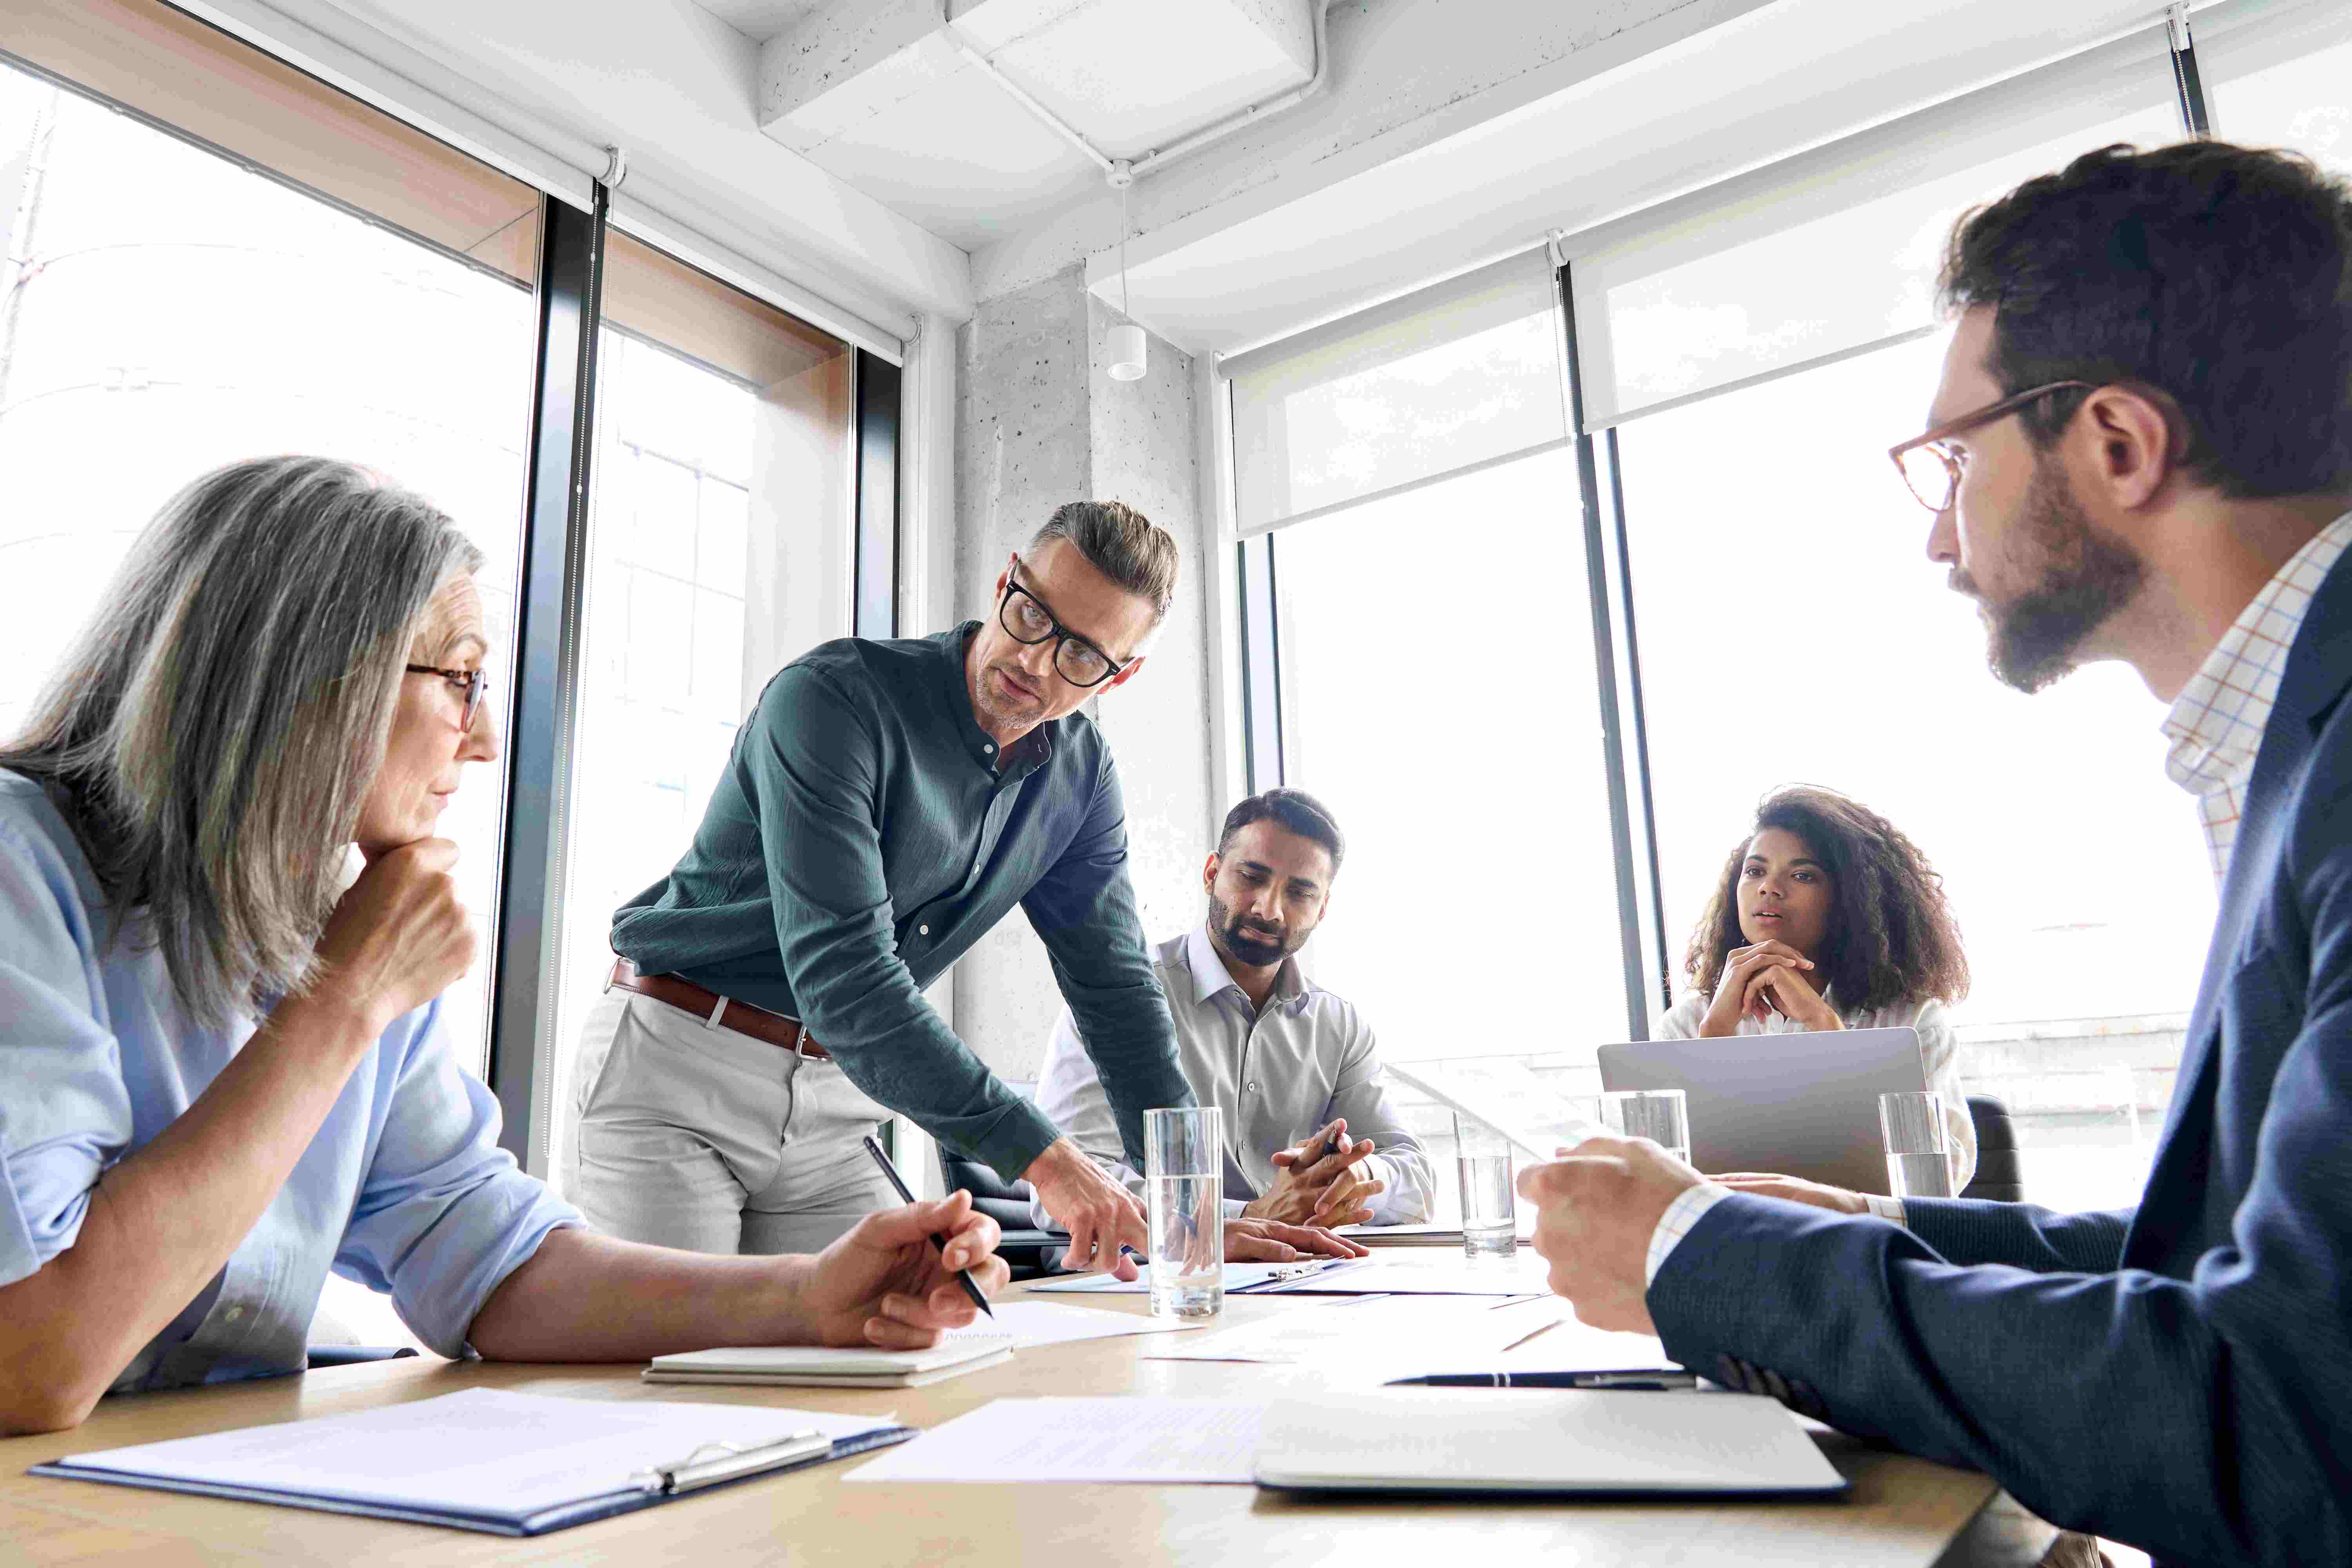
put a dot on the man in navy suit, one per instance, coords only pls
(2140, 449)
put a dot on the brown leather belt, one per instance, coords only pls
(720, 1012)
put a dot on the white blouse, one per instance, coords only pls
(1938, 1055)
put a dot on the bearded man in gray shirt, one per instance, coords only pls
(1311, 1137)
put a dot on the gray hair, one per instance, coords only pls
(213, 732)
(1122, 544)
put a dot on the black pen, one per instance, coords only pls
(1655, 1381)
(964, 1276)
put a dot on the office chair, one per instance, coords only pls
(1029, 1252)
(2000, 1173)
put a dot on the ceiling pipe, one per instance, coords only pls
(1255, 114)
(1120, 173)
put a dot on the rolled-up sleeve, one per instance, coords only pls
(65, 1114)
(1084, 911)
(444, 1215)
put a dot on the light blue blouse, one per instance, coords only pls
(404, 1189)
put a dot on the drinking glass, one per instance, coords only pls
(1183, 1167)
(1916, 1164)
(1660, 1115)
(1489, 1220)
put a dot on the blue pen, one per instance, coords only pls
(1653, 1381)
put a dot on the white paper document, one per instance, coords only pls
(485, 1452)
(1157, 1440)
(1238, 1277)
(1420, 1273)
(1034, 1323)
(1408, 1335)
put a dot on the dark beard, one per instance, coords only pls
(2086, 578)
(1245, 947)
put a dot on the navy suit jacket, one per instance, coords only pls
(2177, 1376)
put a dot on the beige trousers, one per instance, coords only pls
(702, 1138)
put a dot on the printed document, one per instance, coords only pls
(1122, 1439)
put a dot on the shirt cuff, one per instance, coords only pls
(1677, 1222)
(1886, 1208)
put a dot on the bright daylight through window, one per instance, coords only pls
(137, 265)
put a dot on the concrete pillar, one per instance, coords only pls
(1040, 422)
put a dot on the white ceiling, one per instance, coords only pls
(760, 20)
(1756, 88)
(897, 111)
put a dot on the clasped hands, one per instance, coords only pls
(1320, 1182)
(1599, 1204)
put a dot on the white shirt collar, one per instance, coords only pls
(1210, 974)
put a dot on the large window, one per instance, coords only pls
(1792, 631)
(206, 254)
(165, 308)
(721, 479)
(1478, 853)
(1746, 355)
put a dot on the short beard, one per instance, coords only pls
(1241, 948)
(2086, 578)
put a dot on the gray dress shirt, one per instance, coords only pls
(1278, 1075)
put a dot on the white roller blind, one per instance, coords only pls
(2279, 75)
(1450, 378)
(1834, 251)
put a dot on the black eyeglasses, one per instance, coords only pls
(1025, 619)
(472, 682)
(1931, 469)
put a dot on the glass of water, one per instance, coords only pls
(1660, 1115)
(1918, 1165)
(1489, 1220)
(1183, 1165)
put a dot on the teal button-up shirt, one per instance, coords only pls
(863, 837)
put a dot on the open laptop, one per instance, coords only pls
(1799, 1105)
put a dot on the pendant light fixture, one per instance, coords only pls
(1124, 343)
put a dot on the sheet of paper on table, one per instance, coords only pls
(1420, 1273)
(1426, 1234)
(1418, 1336)
(1072, 1439)
(1034, 1323)
(1238, 1277)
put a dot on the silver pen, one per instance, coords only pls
(731, 1459)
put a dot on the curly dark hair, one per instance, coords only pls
(1891, 937)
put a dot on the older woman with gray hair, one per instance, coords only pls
(222, 1071)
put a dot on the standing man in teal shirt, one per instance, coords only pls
(886, 805)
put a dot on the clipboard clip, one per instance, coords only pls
(715, 1462)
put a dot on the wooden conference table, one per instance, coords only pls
(1901, 1510)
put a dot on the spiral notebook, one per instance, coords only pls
(508, 1464)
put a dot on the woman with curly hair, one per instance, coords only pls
(1827, 917)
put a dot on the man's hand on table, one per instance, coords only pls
(885, 1284)
(1795, 1190)
(1327, 1190)
(1271, 1241)
(1081, 1197)
(1596, 1209)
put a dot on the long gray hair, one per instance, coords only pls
(213, 732)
